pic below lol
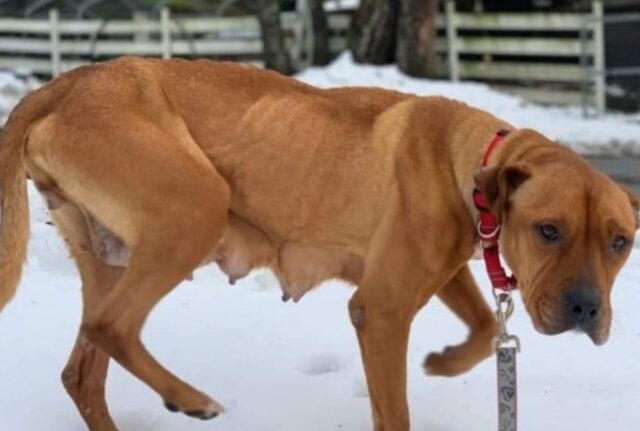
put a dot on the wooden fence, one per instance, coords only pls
(52, 46)
(548, 57)
(525, 51)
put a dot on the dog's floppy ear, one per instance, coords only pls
(498, 184)
(635, 204)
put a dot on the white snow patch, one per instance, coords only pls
(321, 363)
(360, 389)
(266, 280)
(12, 89)
(340, 5)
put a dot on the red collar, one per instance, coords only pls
(489, 230)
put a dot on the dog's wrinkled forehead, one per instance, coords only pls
(574, 194)
(549, 189)
(578, 183)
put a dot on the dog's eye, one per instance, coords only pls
(619, 244)
(549, 232)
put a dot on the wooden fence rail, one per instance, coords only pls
(514, 50)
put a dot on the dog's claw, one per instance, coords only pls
(204, 414)
(171, 407)
(200, 414)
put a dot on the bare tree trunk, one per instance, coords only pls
(415, 50)
(321, 51)
(374, 28)
(276, 56)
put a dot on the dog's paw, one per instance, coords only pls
(443, 364)
(209, 410)
(456, 360)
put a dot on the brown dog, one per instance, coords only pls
(152, 168)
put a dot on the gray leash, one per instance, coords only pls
(506, 347)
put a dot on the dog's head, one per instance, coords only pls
(566, 232)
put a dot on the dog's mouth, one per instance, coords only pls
(549, 321)
(546, 322)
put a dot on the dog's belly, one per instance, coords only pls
(243, 247)
(298, 266)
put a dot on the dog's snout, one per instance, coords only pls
(583, 307)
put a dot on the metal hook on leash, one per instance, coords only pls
(504, 309)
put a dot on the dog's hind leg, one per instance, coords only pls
(162, 197)
(463, 296)
(86, 371)
(84, 379)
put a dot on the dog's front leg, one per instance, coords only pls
(383, 333)
(463, 296)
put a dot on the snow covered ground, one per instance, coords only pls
(286, 367)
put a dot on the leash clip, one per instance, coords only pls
(504, 309)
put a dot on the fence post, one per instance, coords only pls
(301, 41)
(584, 64)
(141, 31)
(54, 38)
(165, 30)
(452, 38)
(310, 33)
(600, 71)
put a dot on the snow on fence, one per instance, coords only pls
(518, 51)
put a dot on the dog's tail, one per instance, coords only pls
(14, 205)
(14, 201)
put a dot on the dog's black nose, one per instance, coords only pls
(583, 307)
